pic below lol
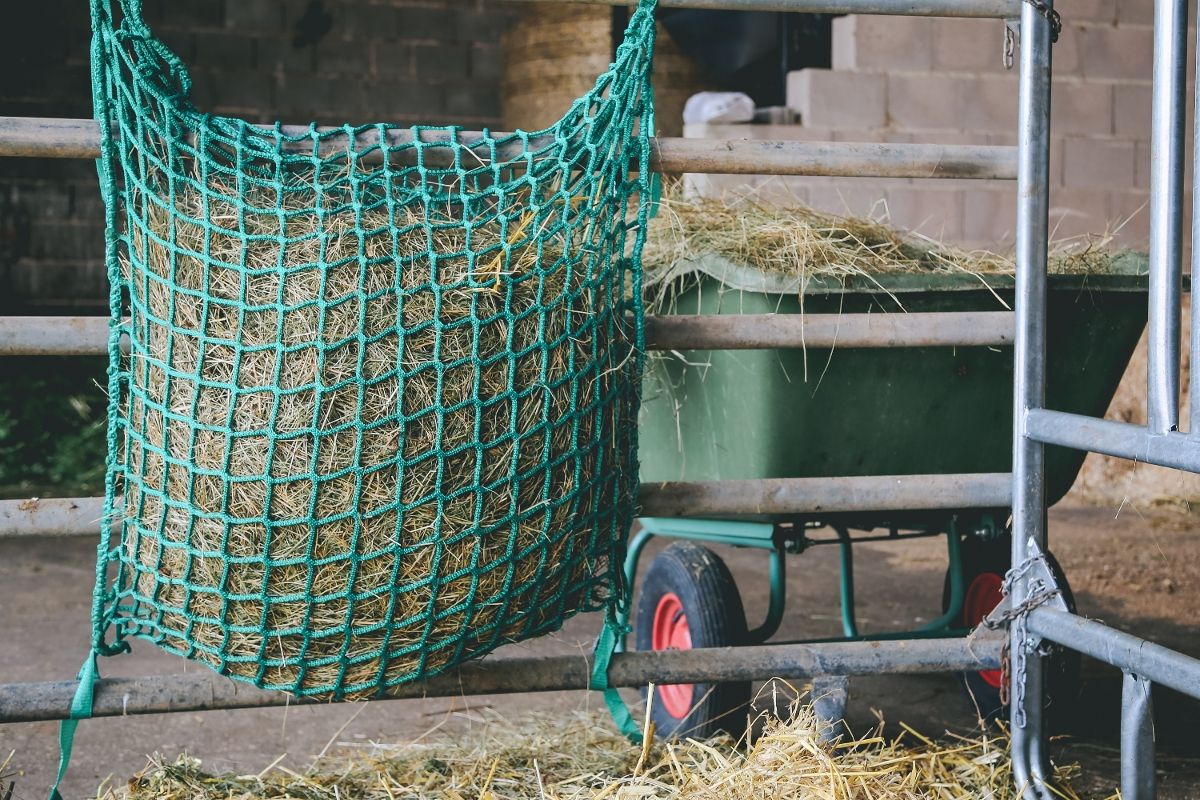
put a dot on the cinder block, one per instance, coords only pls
(798, 133)
(337, 57)
(990, 103)
(442, 62)
(394, 61)
(254, 16)
(925, 102)
(849, 198)
(223, 51)
(474, 102)
(428, 24)
(1081, 107)
(274, 54)
(1099, 163)
(1130, 213)
(1066, 50)
(863, 42)
(829, 98)
(1141, 166)
(1131, 109)
(1076, 212)
(487, 61)
(969, 45)
(932, 212)
(1088, 10)
(1140, 12)
(990, 218)
(1122, 52)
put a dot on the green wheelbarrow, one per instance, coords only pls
(826, 412)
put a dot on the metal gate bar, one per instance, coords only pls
(923, 8)
(31, 702)
(25, 137)
(1158, 442)
(88, 336)
(800, 496)
(1028, 163)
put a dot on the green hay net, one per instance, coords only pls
(378, 411)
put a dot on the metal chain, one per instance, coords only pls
(1049, 13)
(1013, 661)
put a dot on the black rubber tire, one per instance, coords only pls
(715, 617)
(1063, 670)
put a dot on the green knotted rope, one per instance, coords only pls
(530, 231)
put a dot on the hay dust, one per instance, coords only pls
(581, 757)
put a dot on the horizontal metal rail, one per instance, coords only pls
(33, 137)
(920, 8)
(1120, 439)
(1124, 651)
(54, 336)
(88, 336)
(826, 495)
(72, 516)
(31, 702)
(81, 516)
(771, 331)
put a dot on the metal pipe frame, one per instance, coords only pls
(1030, 765)
(1134, 442)
(781, 496)
(844, 331)
(31, 702)
(1137, 739)
(88, 336)
(999, 9)
(1166, 218)
(1158, 442)
(1124, 651)
(29, 137)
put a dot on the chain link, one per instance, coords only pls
(1013, 661)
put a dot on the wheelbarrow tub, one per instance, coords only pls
(829, 412)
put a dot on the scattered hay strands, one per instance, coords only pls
(791, 239)
(581, 756)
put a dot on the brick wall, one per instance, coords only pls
(404, 61)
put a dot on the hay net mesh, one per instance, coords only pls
(378, 411)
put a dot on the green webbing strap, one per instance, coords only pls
(81, 708)
(606, 645)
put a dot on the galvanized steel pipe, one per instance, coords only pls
(88, 336)
(999, 9)
(74, 138)
(30, 702)
(1166, 213)
(1124, 651)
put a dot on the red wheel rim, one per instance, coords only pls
(984, 594)
(671, 632)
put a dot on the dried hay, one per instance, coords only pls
(581, 756)
(789, 238)
(337, 369)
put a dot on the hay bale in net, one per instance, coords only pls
(378, 414)
(357, 455)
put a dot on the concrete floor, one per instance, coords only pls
(1140, 572)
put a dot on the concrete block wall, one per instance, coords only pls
(943, 81)
(332, 61)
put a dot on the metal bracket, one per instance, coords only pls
(1041, 580)
(830, 694)
(1012, 35)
